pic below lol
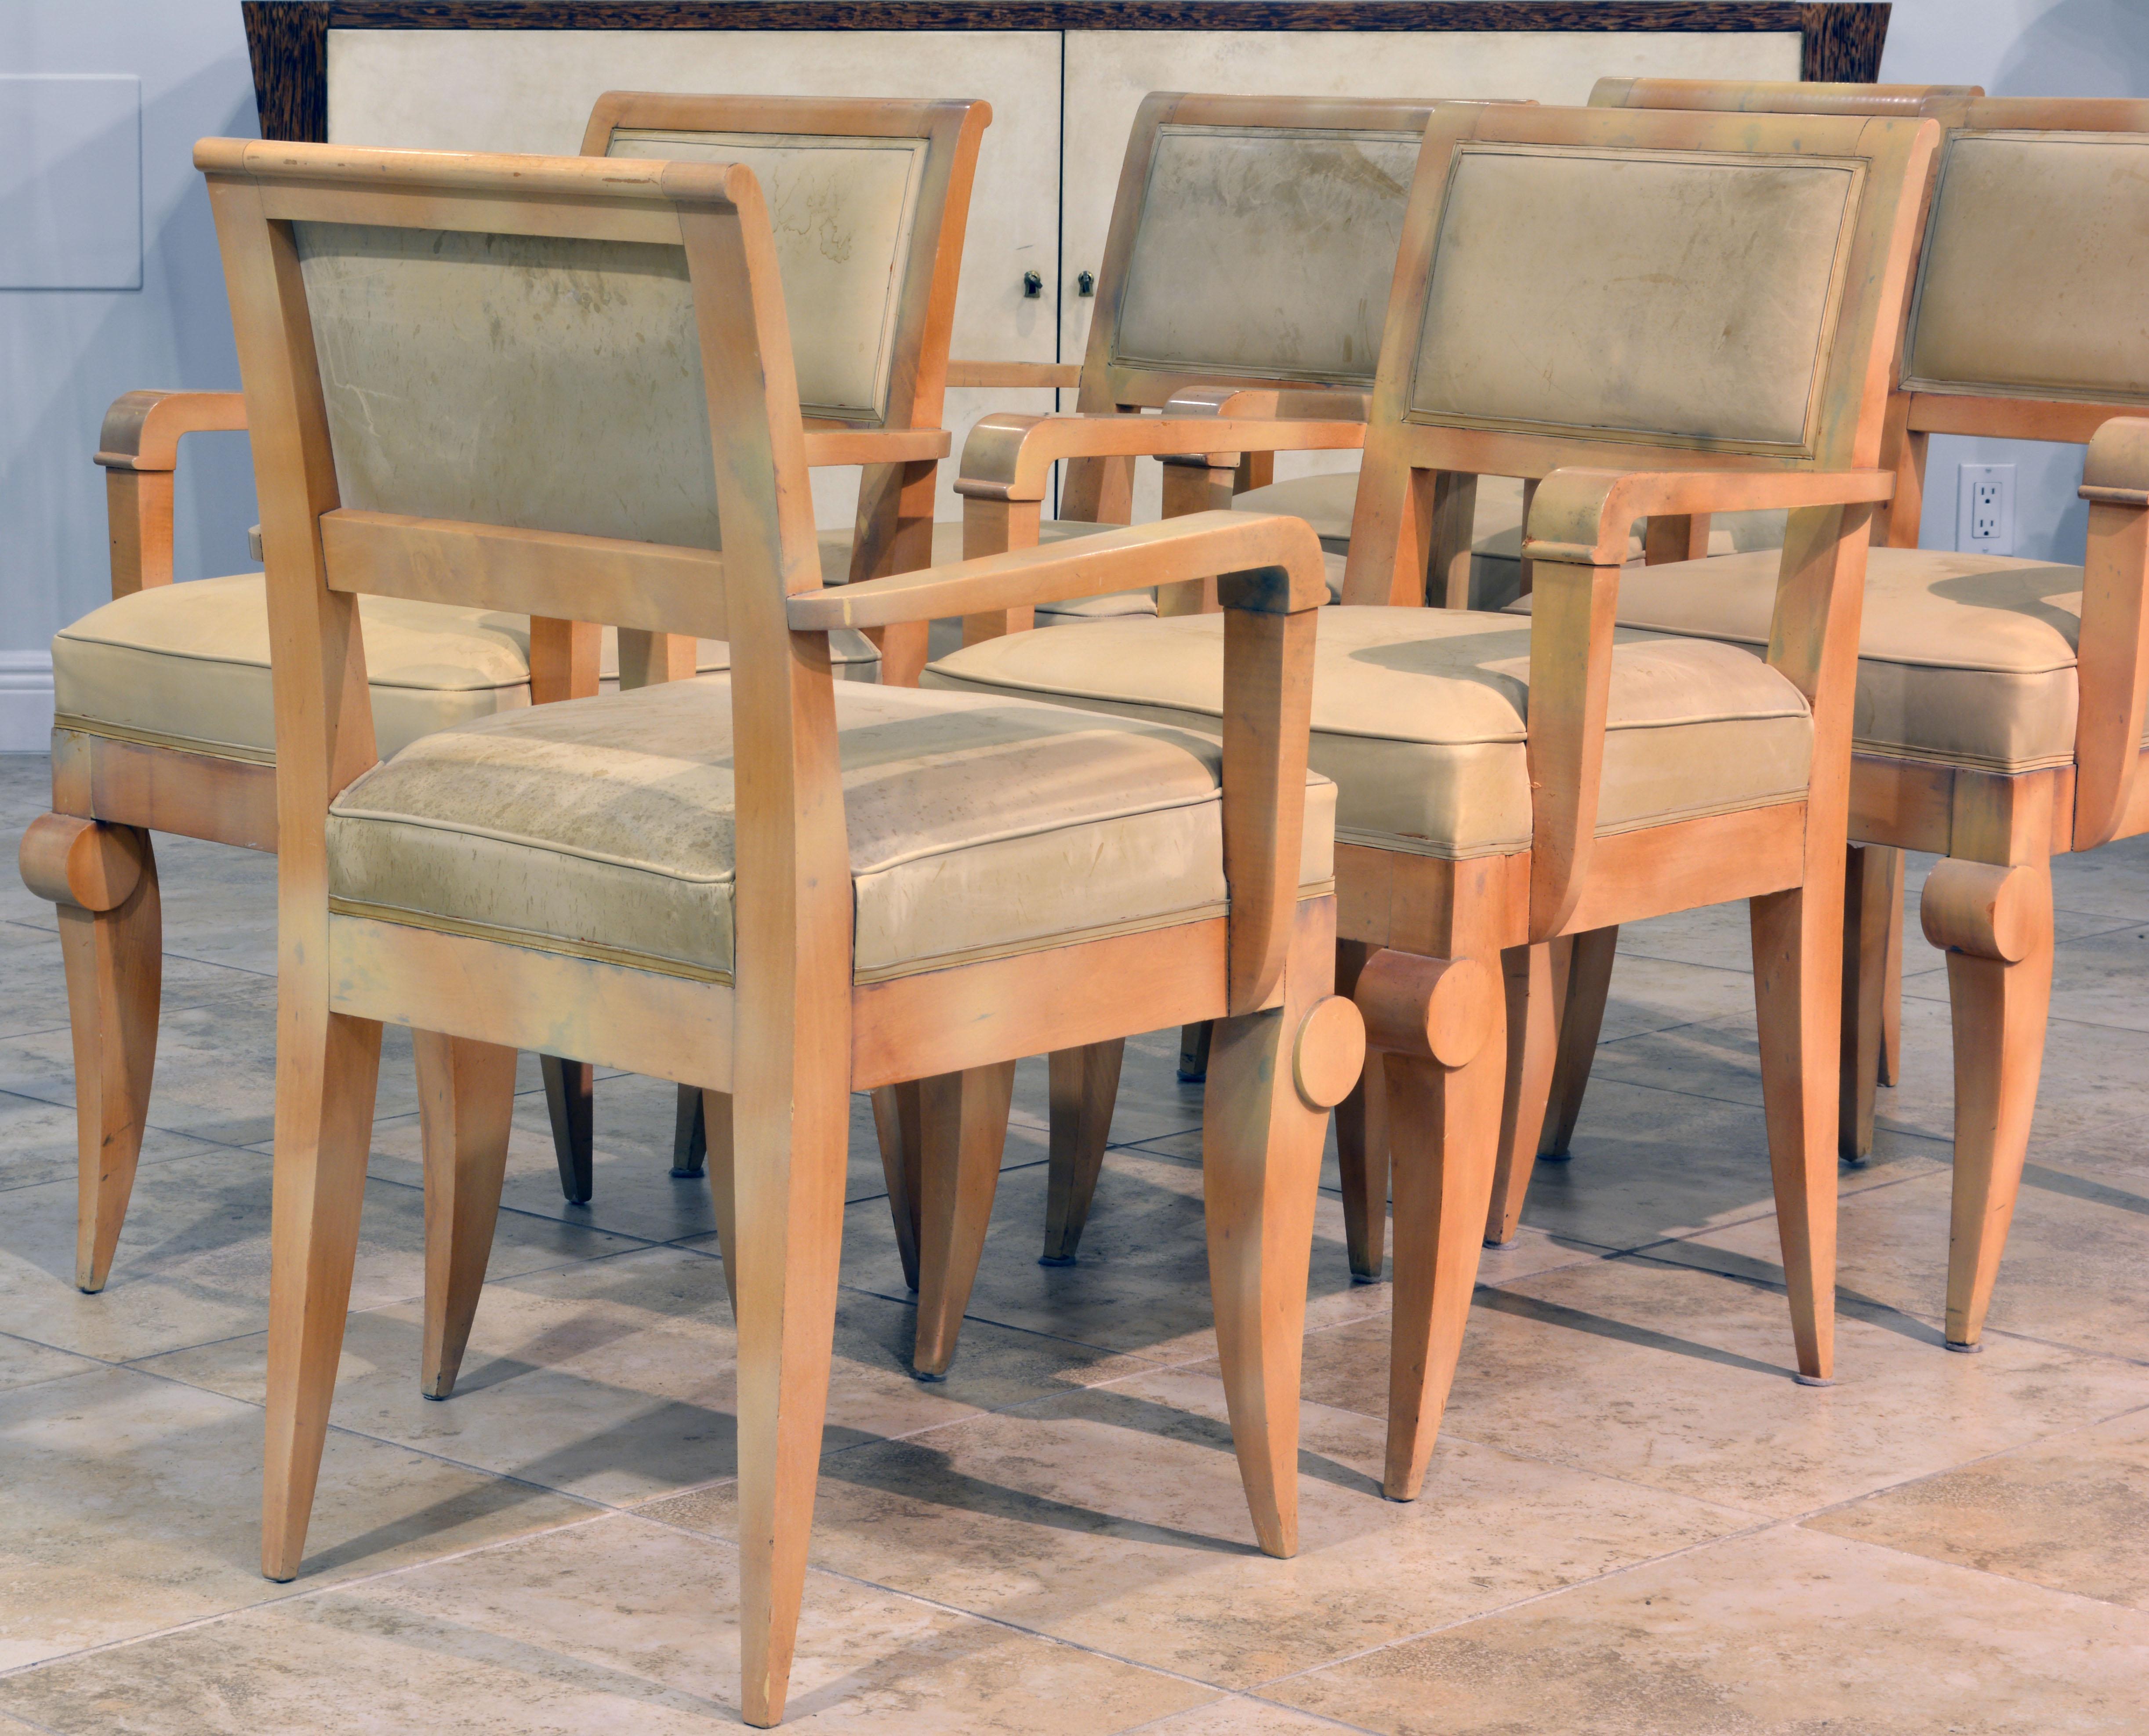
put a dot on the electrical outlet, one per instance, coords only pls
(1984, 508)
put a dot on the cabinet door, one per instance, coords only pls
(531, 90)
(1109, 72)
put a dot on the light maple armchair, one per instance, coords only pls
(2000, 709)
(164, 719)
(1502, 783)
(767, 883)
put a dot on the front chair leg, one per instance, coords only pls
(1536, 978)
(102, 882)
(1084, 1088)
(570, 1090)
(1588, 988)
(1361, 1144)
(963, 1120)
(1442, 1025)
(465, 1107)
(1872, 905)
(327, 1065)
(1797, 990)
(1996, 925)
(1273, 1077)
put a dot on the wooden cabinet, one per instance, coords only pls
(1063, 77)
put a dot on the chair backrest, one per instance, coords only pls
(549, 386)
(1576, 287)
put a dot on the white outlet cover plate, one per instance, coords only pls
(1985, 510)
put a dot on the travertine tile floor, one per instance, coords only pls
(1636, 1522)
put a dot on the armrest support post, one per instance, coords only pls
(139, 450)
(2112, 663)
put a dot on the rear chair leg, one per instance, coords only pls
(896, 1124)
(1361, 1144)
(570, 1087)
(1872, 897)
(1535, 979)
(327, 1065)
(723, 1184)
(690, 1136)
(1997, 926)
(102, 882)
(1085, 1086)
(1194, 1053)
(465, 1106)
(1798, 964)
(1272, 1079)
(1442, 1026)
(1588, 988)
(963, 1125)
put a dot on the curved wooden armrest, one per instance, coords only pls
(142, 430)
(139, 448)
(1583, 517)
(1302, 404)
(2113, 665)
(828, 444)
(1063, 376)
(1270, 565)
(1010, 457)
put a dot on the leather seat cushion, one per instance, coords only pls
(978, 826)
(1964, 659)
(187, 666)
(1419, 716)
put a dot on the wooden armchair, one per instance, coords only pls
(769, 884)
(163, 695)
(1503, 783)
(2000, 700)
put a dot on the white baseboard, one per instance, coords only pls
(26, 701)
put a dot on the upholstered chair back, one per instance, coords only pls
(868, 201)
(1578, 287)
(1252, 241)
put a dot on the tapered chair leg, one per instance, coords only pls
(327, 1066)
(570, 1091)
(716, 1120)
(897, 1125)
(1996, 925)
(1445, 1122)
(1890, 1069)
(1536, 978)
(963, 1125)
(1872, 906)
(690, 1135)
(466, 1106)
(1261, 1140)
(1361, 1145)
(1084, 1087)
(1588, 988)
(1798, 961)
(101, 881)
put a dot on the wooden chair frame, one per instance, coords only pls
(788, 1039)
(104, 785)
(1988, 905)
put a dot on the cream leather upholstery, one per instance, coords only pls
(1965, 659)
(978, 826)
(1326, 502)
(1306, 300)
(844, 209)
(187, 666)
(1588, 257)
(2030, 281)
(1418, 715)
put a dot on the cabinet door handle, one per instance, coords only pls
(1085, 283)
(1032, 286)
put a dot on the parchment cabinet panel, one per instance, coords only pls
(530, 90)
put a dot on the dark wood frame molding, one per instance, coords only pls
(288, 39)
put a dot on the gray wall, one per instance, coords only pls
(67, 353)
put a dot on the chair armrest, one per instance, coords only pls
(828, 444)
(1580, 518)
(1010, 457)
(1305, 404)
(1272, 589)
(139, 448)
(1583, 517)
(2113, 665)
(1062, 376)
(1239, 544)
